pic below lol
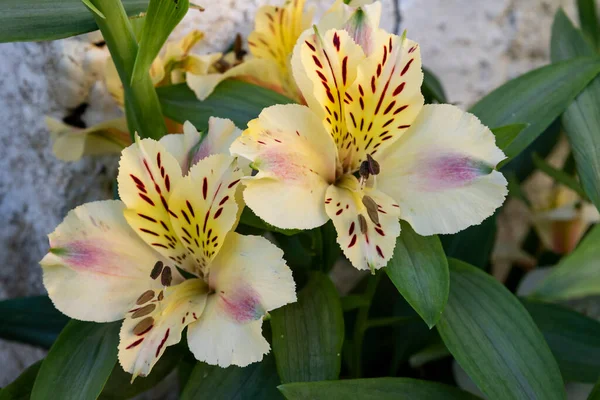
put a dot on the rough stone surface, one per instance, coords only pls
(472, 46)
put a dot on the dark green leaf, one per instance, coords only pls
(432, 87)
(308, 334)
(536, 98)
(161, 18)
(354, 301)
(419, 270)
(559, 176)
(577, 275)
(79, 363)
(581, 120)
(32, 20)
(373, 389)
(256, 381)
(250, 219)
(494, 339)
(588, 19)
(573, 338)
(20, 388)
(595, 395)
(119, 386)
(473, 245)
(506, 134)
(32, 320)
(239, 101)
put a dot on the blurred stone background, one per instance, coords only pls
(472, 46)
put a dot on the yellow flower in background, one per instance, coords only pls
(366, 152)
(112, 260)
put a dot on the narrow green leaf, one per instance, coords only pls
(536, 98)
(473, 245)
(161, 18)
(432, 87)
(588, 19)
(142, 108)
(577, 275)
(573, 338)
(354, 301)
(581, 120)
(20, 388)
(495, 340)
(256, 381)
(308, 335)
(558, 175)
(93, 8)
(32, 320)
(33, 20)
(79, 363)
(419, 270)
(595, 395)
(506, 134)
(373, 389)
(239, 101)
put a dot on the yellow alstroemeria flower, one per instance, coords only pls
(112, 260)
(366, 152)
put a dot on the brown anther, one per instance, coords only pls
(161, 296)
(166, 277)
(143, 326)
(158, 267)
(144, 311)
(363, 171)
(145, 297)
(373, 165)
(362, 222)
(238, 50)
(371, 209)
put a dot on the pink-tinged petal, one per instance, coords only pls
(97, 266)
(441, 173)
(296, 160)
(368, 244)
(149, 328)
(148, 174)
(248, 278)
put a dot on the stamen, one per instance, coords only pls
(362, 222)
(364, 170)
(143, 326)
(145, 297)
(158, 267)
(373, 165)
(371, 209)
(161, 296)
(144, 311)
(166, 276)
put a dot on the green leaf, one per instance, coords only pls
(32, 320)
(506, 134)
(559, 176)
(432, 88)
(308, 335)
(239, 101)
(588, 19)
(256, 381)
(373, 389)
(250, 219)
(494, 339)
(161, 18)
(576, 275)
(142, 108)
(573, 338)
(119, 386)
(20, 388)
(33, 20)
(473, 245)
(581, 120)
(595, 395)
(536, 98)
(79, 363)
(419, 270)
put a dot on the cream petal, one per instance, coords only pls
(151, 327)
(180, 146)
(97, 266)
(441, 171)
(248, 278)
(296, 159)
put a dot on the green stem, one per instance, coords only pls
(361, 324)
(142, 107)
(389, 321)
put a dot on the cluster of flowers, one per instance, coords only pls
(360, 149)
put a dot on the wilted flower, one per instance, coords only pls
(111, 260)
(366, 152)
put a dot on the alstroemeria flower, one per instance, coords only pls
(366, 152)
(111, 260)
(271, 43)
